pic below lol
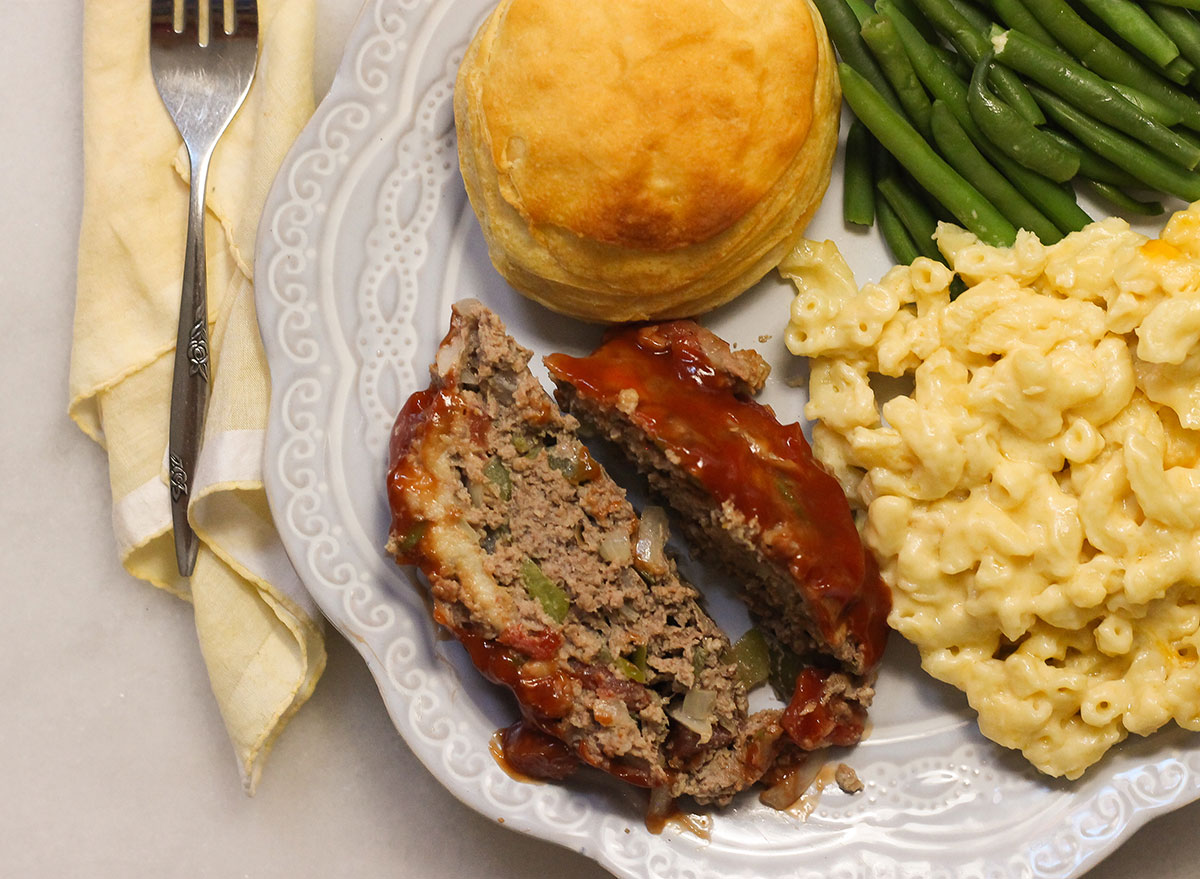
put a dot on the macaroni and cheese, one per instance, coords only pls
(1033, 489)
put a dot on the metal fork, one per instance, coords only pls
(202, 55)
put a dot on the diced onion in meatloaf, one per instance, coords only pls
(678, 402)
(538, 564)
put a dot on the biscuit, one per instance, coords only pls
(633, 160)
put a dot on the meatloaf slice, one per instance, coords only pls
(678, 402)
(540, 567)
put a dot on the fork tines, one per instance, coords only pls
(245, 11)
(205, 18)
(162, 12)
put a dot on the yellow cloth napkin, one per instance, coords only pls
(259, 631)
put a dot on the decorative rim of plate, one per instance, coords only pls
(394, 86)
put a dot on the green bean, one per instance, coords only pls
(1190, 136)
(956, 62)
(929, 169)
(1125, 202)
(1144, 164)
(939, 210)
(975, 16)
(1094, 166)
(1056, 202)
(1136, 27)
(1019, 140)
(861, 8)
(1152, 107)
(1180, 26)
(883, 163)
(930, 63)
(1090, 93)
(1109, 60)
(843, 29)
(909, 10)
(917, 219)
(858, 179)
(899, 242)
(1180, 71)
(1017, 17)
(880, 36)
(943, 83)
(973, 43)
(1182, 4)
(954, 143)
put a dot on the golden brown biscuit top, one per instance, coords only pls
(649, 124)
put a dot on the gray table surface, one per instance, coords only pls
(112, 754)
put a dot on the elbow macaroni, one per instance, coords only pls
(1033, 492)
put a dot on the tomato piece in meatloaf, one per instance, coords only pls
(538, 564)
(678, 402)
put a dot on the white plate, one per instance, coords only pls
(366, 239)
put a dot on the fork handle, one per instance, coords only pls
(189, 385)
